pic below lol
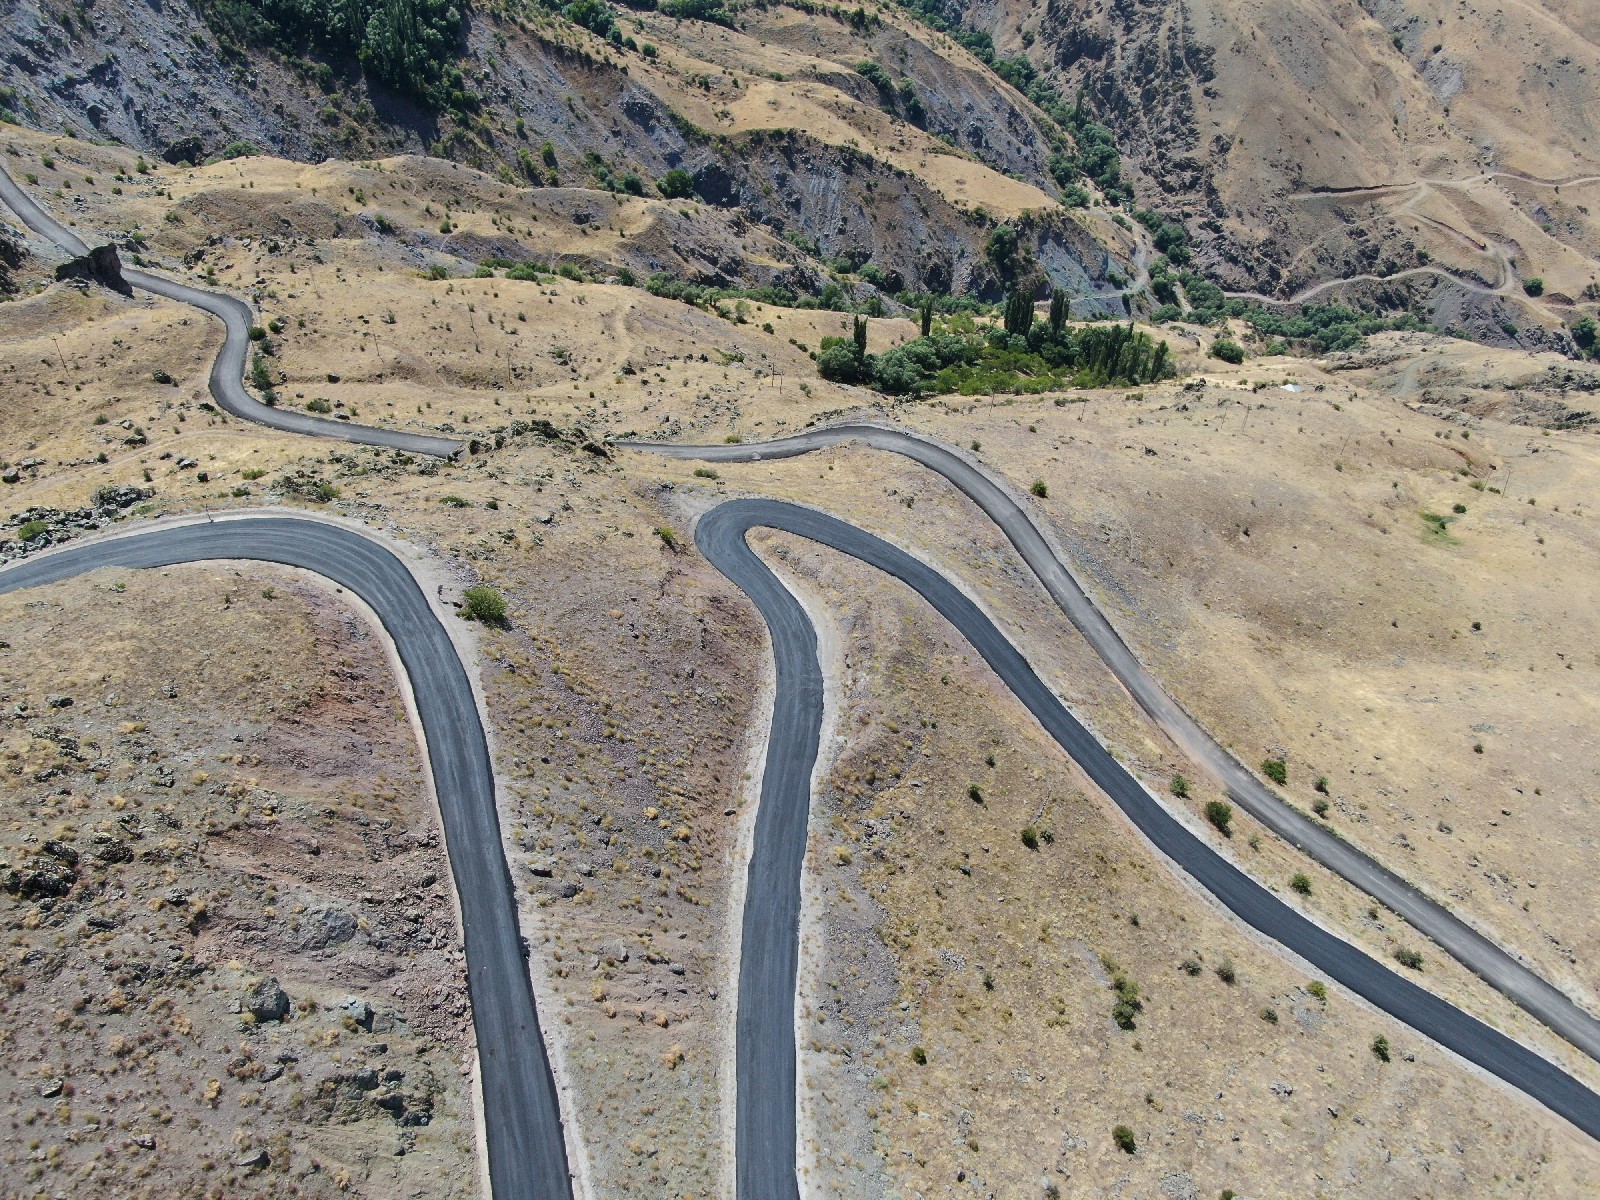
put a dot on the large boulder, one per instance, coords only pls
(267, 1001)
(101, 265)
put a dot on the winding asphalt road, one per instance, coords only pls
(765, 1133)
(527, 1152)
(526, 1148)
(227, 369)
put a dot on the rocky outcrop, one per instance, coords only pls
(12, 254)
(101, 265)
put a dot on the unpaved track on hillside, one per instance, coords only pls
(227, 369)
(527, 1153)
(766, 1049)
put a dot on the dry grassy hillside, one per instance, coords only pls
(1266, 551)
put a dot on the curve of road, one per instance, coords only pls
(1478, 953)
(527, 1150)
(765, 1130)
(227, 369)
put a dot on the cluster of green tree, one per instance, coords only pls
(893, 97)
(1584, 335)
(1022, 354)
(1326, 327)
(628, 183)
(705, 296)
(1168, 234)
(1321, 327)
(598, 17)
(698, 10)
(409, 46)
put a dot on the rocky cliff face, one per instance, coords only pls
(908, 167)
(1307, 141)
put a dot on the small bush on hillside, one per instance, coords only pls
(1180, 787)
(1534, 286)
(1301, 883)
(1030, 838)
(1276, 770)
(32, 531)
(1407, 957)
(1123, 1137)
(1228, 350)
(1128, 1004)
(676, 184)
(1380, 1047)
(1220, 814)
(1040, 489)
(484, 604)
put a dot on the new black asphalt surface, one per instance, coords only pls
(766, 1084)
(527, 1152)
(227, 369)
(1495, 965)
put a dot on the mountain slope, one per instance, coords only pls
(1263, 124)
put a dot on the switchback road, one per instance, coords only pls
(765, 1130)
(527, 1151)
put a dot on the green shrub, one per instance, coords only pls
(1123, 1137)
(1030, 838)
(455, 502)
(1180, 787)
(1380, 1047)
(1040, 489)
(1128, 1004)
(974, 793)
(1226, 972)
(1407, 957)
(919, 1056)
(1276, 770)
(1318, 990)
(318, 405)
(676, 184)
(1228, 350)
(1321, 784)
(1534, 286)
(483, 604)
(32, 531)
(1220, 814)
(1320, 806)
(1269, 1015)
(1301, 883)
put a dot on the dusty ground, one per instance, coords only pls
(232, 964)
(1256, 562)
